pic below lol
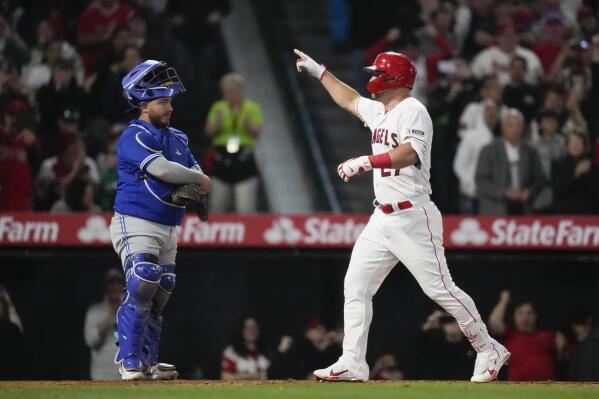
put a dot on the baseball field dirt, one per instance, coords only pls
(294, 390)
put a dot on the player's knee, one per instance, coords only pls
(166, 287)
(168, 278)
(440, 291)
(143, 279)
(355, 290)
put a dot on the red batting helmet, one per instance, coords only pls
(391, 70)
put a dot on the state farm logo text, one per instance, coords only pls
(531, 233)
(315, 230)
(195, 231)
(14, 231)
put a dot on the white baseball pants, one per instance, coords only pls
(413, 236)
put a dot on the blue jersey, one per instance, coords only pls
(138, 193)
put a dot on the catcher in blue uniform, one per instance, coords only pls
(157, 178)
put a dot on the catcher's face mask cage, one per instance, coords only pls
(151, 80)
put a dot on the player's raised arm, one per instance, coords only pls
(343, 95)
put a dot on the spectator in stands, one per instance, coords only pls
(585, 364)
(11, 84)
(234, 123)
(112, 99)
(466, 157)
(508, 174)
(110, 59)
(551, 147)
(100, 327)
(496, 60)
(447, 100)
(245, 358)
(138, 28)
(436, 40)
(67, 125)
(13, 49)
(575, 179)
(195, 25)
(552, 44)
(61, 92)
(473, 115)
(58, 172)
(575, 330)
(39, 74)
(587, 21)
(47, 49)
(79, 196)
(108, 174)
(386, 368)
(19, 157)
(12, 348)
(481, 29)
(442, 342)
(96, 27)
(297, 358)
(534, 350)
(519, 94)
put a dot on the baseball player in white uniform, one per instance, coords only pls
(406, 225)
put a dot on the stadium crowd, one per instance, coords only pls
(61, 100)
(511, 87)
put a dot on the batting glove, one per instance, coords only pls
(305, 63)
(353, 167)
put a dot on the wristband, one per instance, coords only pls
(323, 71)
(381, 161)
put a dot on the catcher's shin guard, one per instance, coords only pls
(154, 325)
(143, 276)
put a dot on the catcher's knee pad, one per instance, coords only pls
(143, 276)
(166, 286)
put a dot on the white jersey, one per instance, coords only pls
(407, 122)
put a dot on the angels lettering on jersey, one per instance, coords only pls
(407, 122)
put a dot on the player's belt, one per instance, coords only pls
(390, 208)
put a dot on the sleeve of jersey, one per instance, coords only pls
(140, 148)
(367, 110)
(417, 132)
(191, 160)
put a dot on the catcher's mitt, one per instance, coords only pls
(190, 196)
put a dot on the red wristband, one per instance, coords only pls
(381, 161)
(323, 72)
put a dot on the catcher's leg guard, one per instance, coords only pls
(154, 326)
(166, 286)
(143, 276)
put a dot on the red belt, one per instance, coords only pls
(388, 208)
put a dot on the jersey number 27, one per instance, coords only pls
(389, 172)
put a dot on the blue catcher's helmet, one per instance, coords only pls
(151, 80)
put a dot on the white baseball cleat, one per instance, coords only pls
(337, 373)
(162, 371)
(489, 362)
(131, 374)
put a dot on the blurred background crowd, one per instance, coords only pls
(568, 352)
(63, 109)
(512, 88)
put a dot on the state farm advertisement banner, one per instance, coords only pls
(306, 231)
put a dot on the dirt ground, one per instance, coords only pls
(83, 383)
